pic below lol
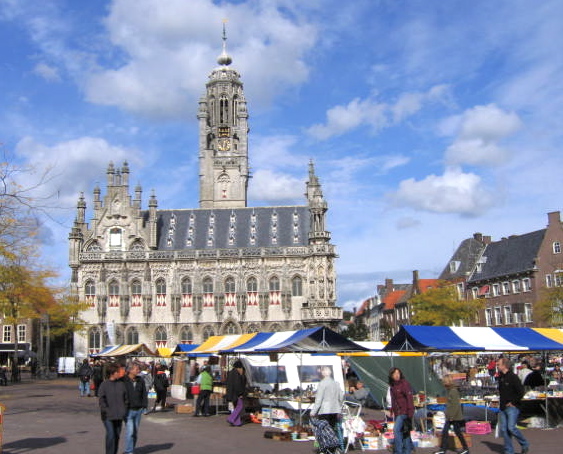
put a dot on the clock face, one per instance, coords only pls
(224, 144)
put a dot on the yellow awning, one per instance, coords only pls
(551, 333)
(217, 343)
(164, 352)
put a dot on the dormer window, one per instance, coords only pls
(454, 265)
(556, 247)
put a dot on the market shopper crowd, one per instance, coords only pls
(123, 398)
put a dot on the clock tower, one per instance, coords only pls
(223, 138)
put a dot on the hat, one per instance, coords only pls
(238, 364)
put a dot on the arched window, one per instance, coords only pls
(251, 284)
(186, 286)
(186, 336)
(208, 285)
(94, 246)
(132, 336)
(230, 285)
(136, 293)
(113, 293)
(275, 327)
(230, 328)
(94, 340)
(161, 337)
(297, 286)
(90, 292)
(137, 246)
(160, 292)
(253, 329)
(274, 284)
(207, 333)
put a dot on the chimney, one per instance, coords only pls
(487, 239)
(478, 237)
(553, 218)
(389, 285)
(416, 289)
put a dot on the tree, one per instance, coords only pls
(24, 295)
(442, 306)
(64, 318)
(356, 331)
(549, 308)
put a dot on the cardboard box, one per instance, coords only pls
(184, 408)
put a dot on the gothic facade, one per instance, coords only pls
(170, 276)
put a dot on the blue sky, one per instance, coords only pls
(427, 120)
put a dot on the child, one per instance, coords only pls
(454, 416)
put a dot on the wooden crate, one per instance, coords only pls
(184, 408)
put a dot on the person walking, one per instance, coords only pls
(138, 402)
(403, 410)
(328, 401)
(161, 385)
(236, 389)
(97, 376)
(205, 390)
(511, 392)
(113, 401)
(85, 373)
(454, 417)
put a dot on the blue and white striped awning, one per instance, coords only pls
(445, 338)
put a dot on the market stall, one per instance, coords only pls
(486, 339)
(125, 350)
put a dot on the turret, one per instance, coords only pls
(317, 208)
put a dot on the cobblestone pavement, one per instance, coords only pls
(49, 417)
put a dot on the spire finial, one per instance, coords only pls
(224, 58)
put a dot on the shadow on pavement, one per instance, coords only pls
(154, 448)
(29, 444)
(494, 447)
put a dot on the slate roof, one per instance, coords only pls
(226, 228)
(509, 256)
(467, 255)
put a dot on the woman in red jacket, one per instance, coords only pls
(403, 410)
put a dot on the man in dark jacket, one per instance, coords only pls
(114, 402)
(138, 402)
(511, 392)
(84, 375)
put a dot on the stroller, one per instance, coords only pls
(325, 436)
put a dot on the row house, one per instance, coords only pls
(509, 274)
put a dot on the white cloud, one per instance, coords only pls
(165, 47)
(452, 192)
(376, 115)
(479, 131)
(85, 160)
(267, 185)
(49, 73)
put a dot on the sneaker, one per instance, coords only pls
(465, 451)
(525, 450)
(441, 451)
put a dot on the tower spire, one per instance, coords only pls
(224, 59)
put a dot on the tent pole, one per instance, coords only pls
(544, 375)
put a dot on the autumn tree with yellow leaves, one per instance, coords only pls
(441, 306)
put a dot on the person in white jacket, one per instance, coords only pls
(328, 399)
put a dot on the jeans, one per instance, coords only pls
(402, 445)
(84, 387)
(132, 429)
(507, 423)
(202, 404)
(113, 430)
